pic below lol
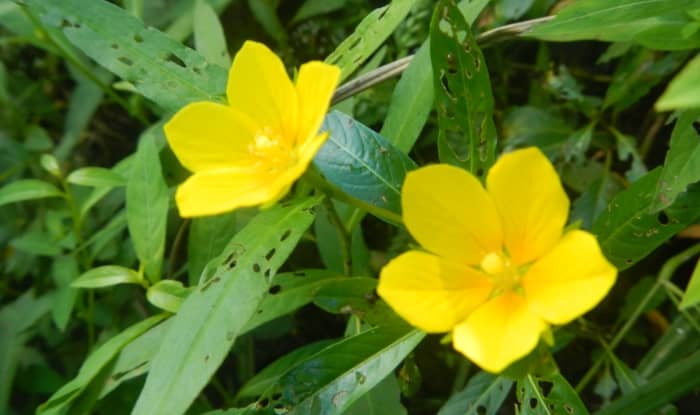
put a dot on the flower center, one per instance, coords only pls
(270, 147)
(506, 276)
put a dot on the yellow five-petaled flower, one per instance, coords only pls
(251, 151)
(499, 268)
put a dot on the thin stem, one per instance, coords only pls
(179, 237)
(664, 275)
(397, 67)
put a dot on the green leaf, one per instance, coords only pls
(679, 341)
(147, 202)
(311, 8)
(36, 243)
(209, 321)
(535, 399)
(288, 292)
(64, 271)
(384, 398)
(355, 296)
(656, 24)
(627, 232)
(532, 126)
(362, 163)
(692, 293)
(372, 31)
(674, 382)
(27, 189)
(15, 320)
(61, 401)
(270, 375)
(207, 238)
(167, 295)
(96, 177)
(106, 276)
(682, 165)
(209, 38)
(330, 381)
(684, 90)
(463, 97)
(135, 358)
(593, 201)
(265, 12)
(412, 99)
(158, 67)
(483, 395)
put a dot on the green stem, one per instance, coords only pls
(664, 275)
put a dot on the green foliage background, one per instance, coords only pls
(111, 303)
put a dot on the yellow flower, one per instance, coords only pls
(250, 151)
(499, 268)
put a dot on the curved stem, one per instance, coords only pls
(397, 67)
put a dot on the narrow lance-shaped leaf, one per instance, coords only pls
(561, 398)
(212, 317)
(627, 231)
(27, 189)
(368, 36)
(682, 165)
(463, 97)
(159, 67)
(483, 395)
(147, 208)
(684, 90)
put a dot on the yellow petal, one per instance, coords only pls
(431, 293)
(316, 83)
(448, 211)
(499, 332)
(569, 280)
(217, 191)
(205, 135)
(258, 85)
(531, 202)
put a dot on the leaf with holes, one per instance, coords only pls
(356, 296)
(372, 31)
(362, 163)
(682, 165)
(548, 396)
(288, 292)
(331, 380)
(656, 24)
(483, 395)
(207, 237)
(147, 201)
(159, 67)
(627, 232)
(213, 316)
(463, 97)
(62, 399)
(413, 96)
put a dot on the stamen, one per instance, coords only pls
(493, 263)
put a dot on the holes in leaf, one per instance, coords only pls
(285, 235)
(210, 283)
(696, 125)
(256, 267)
(267, 273)
(477, 63)
(467, 47)
(125, 60)
(568, 408)
(275, 289)
(114, 46)
(446, 86)
(533, 403)
(276, 396)
(662, 218)
(481, 410)
(546, 386)
(174, 59)
(262, 403)
(356, 41)
(451, 63)
(138, 39)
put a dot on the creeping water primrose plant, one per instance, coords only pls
(349, 207)
(250, 151)
(499, 266)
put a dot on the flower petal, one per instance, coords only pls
(259, 86)
(531, 202)
(315, 85)
(217, 191)
(448, 211)
(499, 332)
(431, 293)
(569, 280)
(206, 135)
